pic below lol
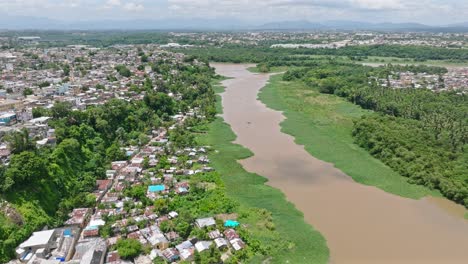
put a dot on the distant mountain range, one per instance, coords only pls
(358, 25)
(23, 23)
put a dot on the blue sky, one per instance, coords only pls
(251, 11)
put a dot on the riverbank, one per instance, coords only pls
(323, 124)
(361, 223)
(305, 245)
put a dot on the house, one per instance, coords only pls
(117, 165)
(143, 260)
(230, 234)
(78, 217)
(103, 185)
(111, 241)
(221, 243)
(111, 174)
(184, 245)
(205, 222)
(173, 214)
(187, 254)
(134, 235)
(42, 240)
(203, 245)
(91, 232)
(112, 257)
(7, 119)
(214, 234)
(132, 228)
(237, 244)
(90, 251)
(203, 160)
(171, 254)
(172, 236)
(159, 241)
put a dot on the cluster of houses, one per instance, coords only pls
(81, 239)
(456, 79)
(80, 75)
(327, 39)
(84, 76)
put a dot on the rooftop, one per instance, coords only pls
(40, 238)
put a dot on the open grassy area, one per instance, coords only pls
(304, 244)
(323, 124)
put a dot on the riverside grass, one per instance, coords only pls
(323, 124)
(306, 245)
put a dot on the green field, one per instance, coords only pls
(304, 244)
(323, 124)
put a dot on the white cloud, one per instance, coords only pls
(113, 3)
(134, 7)
(378, 4)
(253, 11)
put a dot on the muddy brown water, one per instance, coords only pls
(362, 224)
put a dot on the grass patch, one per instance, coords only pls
(323, 124)
(303, 243)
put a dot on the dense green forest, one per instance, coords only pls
(303, 56)
(42, 185)
(419, 133)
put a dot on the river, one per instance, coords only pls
(362, 224)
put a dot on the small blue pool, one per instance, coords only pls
(156, 188)
(231, 223)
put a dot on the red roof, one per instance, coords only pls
(91, 232)
(113, 256)
(230, 234)
(134, 235)
(103, 185)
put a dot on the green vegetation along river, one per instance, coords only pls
(361, 223)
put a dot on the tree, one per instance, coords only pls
(40, 111)
(61, 110)
(161, 206)
(129, 248)
(66, 70)
(44, 84)
(26, 168)
(145, 163)
(123, 71)
(263, 67)
(161, 103)
(27, 91)
(19, 141)
(143, 139)
(115, 153)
